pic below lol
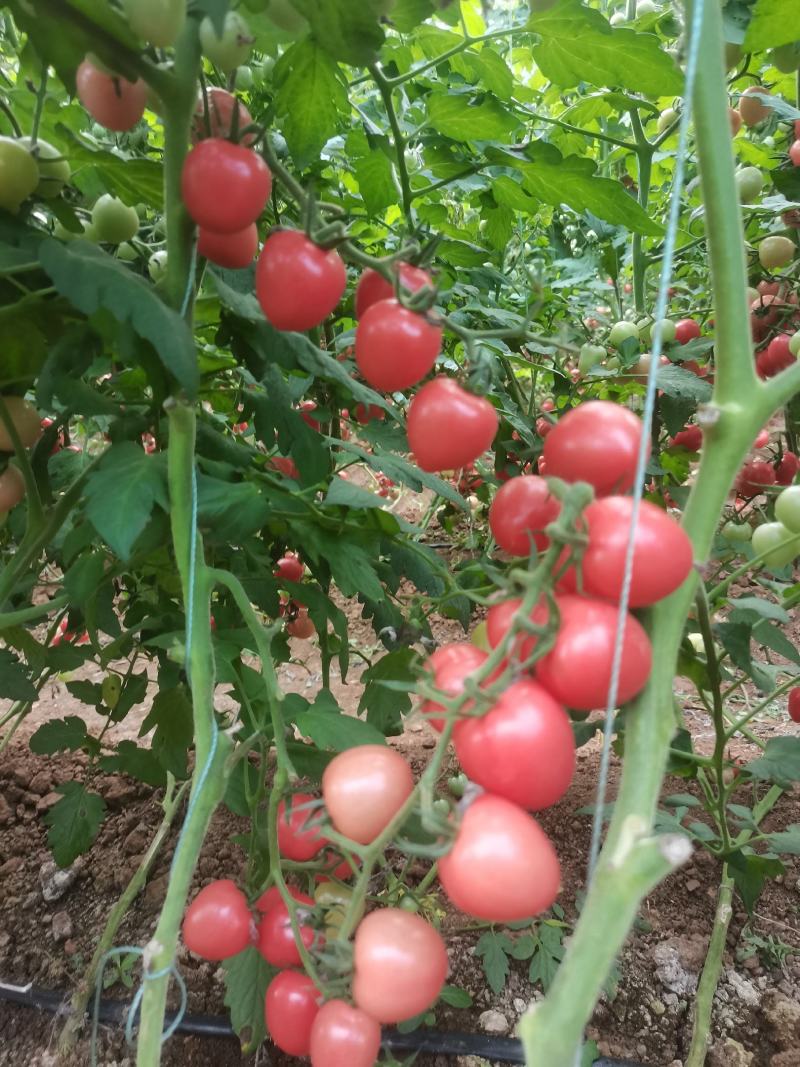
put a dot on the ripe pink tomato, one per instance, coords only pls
(690, 438)
(218, 923)
(794, 704)
(786, 470)
(231, 250)
(780, 356)
(305, 407)
(276, 941)
(290, 1008)
(522, 749)
(498, 623)
(400, 964)
(298, 284)
(289, 568)
(686, 330)
(295, 841)
(301, 625)
(596, 442)
(364, 788)
(502, 866)
(111, 100)
(373, 287)
(270, 897)
(662, 552)
(753, 477)
(577, 669)
(455, 664)
(224, 186)
(12, 490)
(344, 1037)
(471, 423)
(794, 153)
(395, 347)
(521, 509)
(221, 106)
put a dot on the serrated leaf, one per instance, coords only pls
(675, 381)
(407, 14)
(347, 495)
(455, 996)
(74, 822)
(402, 470)
(493, 948)
(750, 871)
(90, 693)
(138, 763)
(772, 636)
(14, 681)
(327, 726)
(376, 182)
(385, 707)
(311, 99)
(461, 118)
(752, 608)
(92, 280)
(349, 32)
(83, 578)
(492, 71)
(773, 23)
(787, 841)
(121, 493)
(59, 735)
(247, 976)
(170, 717)
(780, 762)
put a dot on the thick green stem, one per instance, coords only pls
(712, 968)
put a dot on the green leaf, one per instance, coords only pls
(494, 948)
(681, 800)
(74, 822)
(386, 707)
(455, 996)
(59, 735)
(349, 32)
(171, 717)
(787, 840)
(750, 871)
(772, 636)
(307, 760)
(352, 567)
(752, 608)
(139, 763)
(402, 470)
(14, 681)
(773, 23)
(458, 116)
(83, 578)
(407, 14)
(121, 493)
(328, 727)
(373, 170)
(92, 280)
(579, 45)
(90, 693)
(736, 639)
(491, 70)
(675, 381)
(780, 762)
(347, 495)
(242, 780)
(311, 99)
(247, 976)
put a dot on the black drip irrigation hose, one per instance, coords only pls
(497, 1049)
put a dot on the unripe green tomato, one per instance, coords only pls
(787, 508)
(284, 14)
(794, 344)
(480, 638)
(457, 784)
(613, 363)
(697, 643)
(157, 266)
(617, 19)
(156, 21)
(19, 174)
(230, 50)
(54, 171)
(776, 252)
(127, 253)
(749, 182)
(646, 7)
(737, 532)
(780, 544)
(263, 71)
(112, 221)
(786, 58)
(666, 118)
(111, 690)
(733, 54)
(589, 356)
(667, 329)
(621, 331)
(245, 79)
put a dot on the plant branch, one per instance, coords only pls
(385, 89)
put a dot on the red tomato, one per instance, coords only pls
(735, 120)
(596, 442)
(455, 664)
(544, 426)
(521, 509)
(221, 106)
(471, 423)
(290, 1008)
(285, 465)
(276, 941)
(522, 749)
(498, 622)
(690, 438)
(232, 250)
(298, 284)
(794, 704)
(662, 551)
(268, 899)
(786, 470)
(753, 477)
(335, 867)
(295, 841)
(395, 347)
(577, 669)
(762, 439)
(12, 489)
(224, 186)
(289, 568)
(305, 407)
(344, 1037)
(111, 100)
(779, 354)
(686, 330)
(218, 923)
(794, 153)
(365, 414)
(364, 788)
(373, 287)
(400, 964)
(548, 405)
(301, 626)
(502, 866)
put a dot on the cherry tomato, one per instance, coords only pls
(289, 568)
(114, 221)
(26, 422)
(232, 250)
(788, 467)
(735, 119)
(295, 841)
(334, 900)
(364, 788)
(520, 511)
(276, 941)
(54, 170)
(335, 867)
(455, 663)
(777, 542)
(498, 623)
(686, 330)
(272, 896)
(787, 508)
(662, 551)
(20, 174)
(285, 465)
(776, 252)
(395, 347)
(290, 1008)
(780, 355)
(344, 1037)
(585, 640)
(400, 964)
(794, 153)
(471, 423)
(596, 442)
(221, 106)
(522, 749)
(157, 21)
(365, 414)
(690, 438)
(298, 284)
(218, 923)
(110, 99)
(373, 287)
(502, 866)
(753, 477)
(12, 489)
(751, 107)
(230, 49)
(224, 186)
(794, 704)
(301, 626)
